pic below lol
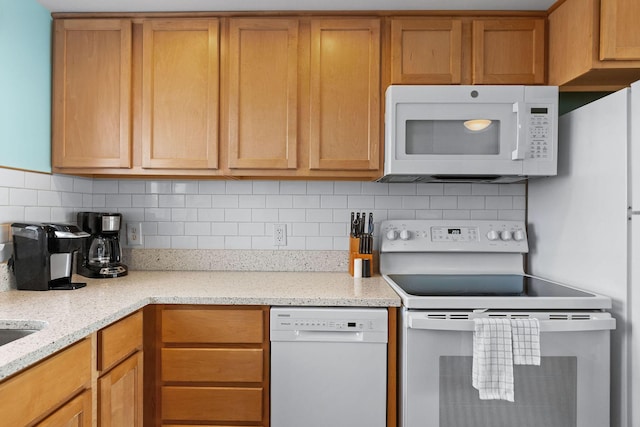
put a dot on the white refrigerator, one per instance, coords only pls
(584, 226)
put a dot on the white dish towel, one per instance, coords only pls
(493, 359)
(498, 343)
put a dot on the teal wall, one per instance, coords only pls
(25, 85)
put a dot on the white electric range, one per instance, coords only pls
(449, 273)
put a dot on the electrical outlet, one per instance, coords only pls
(134, 233)
(279, 234)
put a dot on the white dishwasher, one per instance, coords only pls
(328, 367)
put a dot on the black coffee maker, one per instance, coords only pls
(101, 252)
(43, 255)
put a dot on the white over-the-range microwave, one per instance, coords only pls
(497, 134)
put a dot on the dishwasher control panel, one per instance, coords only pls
(298, 321)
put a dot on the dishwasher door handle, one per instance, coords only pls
(333, 336)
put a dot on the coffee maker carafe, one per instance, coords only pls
(101, 252)
(43, 255)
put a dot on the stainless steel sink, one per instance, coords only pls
(11, 330)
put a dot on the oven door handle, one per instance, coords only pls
(545, 325)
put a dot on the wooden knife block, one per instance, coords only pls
(354, 252)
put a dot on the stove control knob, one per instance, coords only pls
(405, 235)
(493, 235)
(392, 235)
(505, 235)
(519, 235)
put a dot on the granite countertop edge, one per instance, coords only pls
(70, 316)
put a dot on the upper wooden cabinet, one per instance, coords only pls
(92, 94)
(594, 44)
(508, 51)
(180, 94)
(344, 97)
(426, 51)
(263, 93)
(467, 51)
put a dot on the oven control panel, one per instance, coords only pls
(453, 235)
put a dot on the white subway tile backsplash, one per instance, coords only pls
(443, 202)
(210, 214)
(291, 215)
(252, 201)
(457, 189)
(12, 178)
(499, 202)
(184, 214)
(225, 201)
(403, 189)
(333, 202)
(212, 187)
(23, 196)
(171, 228)
(430, 189)
(4, 196)
(197, 228)
(107, 186)
(239, 215)
(239, 187)
(118, 200)
(170, 201)
(185, 187)
(266, 187)
(132, 187)
(347, 187)
(38, 181)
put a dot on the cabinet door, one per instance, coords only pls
(426, 51)
(92, 93)
(120, 394)
(619, 35)
(508, 51)
(263, 93)
(75, 413)
(180, 94)
(345, 94)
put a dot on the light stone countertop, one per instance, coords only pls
(72, 315)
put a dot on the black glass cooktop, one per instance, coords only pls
(500, 285)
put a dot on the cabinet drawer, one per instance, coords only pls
(212, 404)
(212, 364)
(119, 340)
(229, 326)
(41, 388)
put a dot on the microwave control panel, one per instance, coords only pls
(540, 132)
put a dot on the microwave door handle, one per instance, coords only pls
(519, 152)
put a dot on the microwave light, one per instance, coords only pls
(476, 125)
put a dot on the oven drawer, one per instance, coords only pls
(570, 388)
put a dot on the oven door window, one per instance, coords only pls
(546, 395)
(451, 130)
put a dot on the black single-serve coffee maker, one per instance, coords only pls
(101, 252)
(43, 255)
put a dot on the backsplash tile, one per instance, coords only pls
(214, 215)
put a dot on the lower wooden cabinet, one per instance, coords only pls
(120, 383)
(75, 413)
(212, 365)
(52, 391)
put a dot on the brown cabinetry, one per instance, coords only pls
(262, 103)
(92, 94)
(468, 50)
(345, 94)
(51, 393)
(213, 365)
(594, 44)
(180, 94)
(119, 366)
